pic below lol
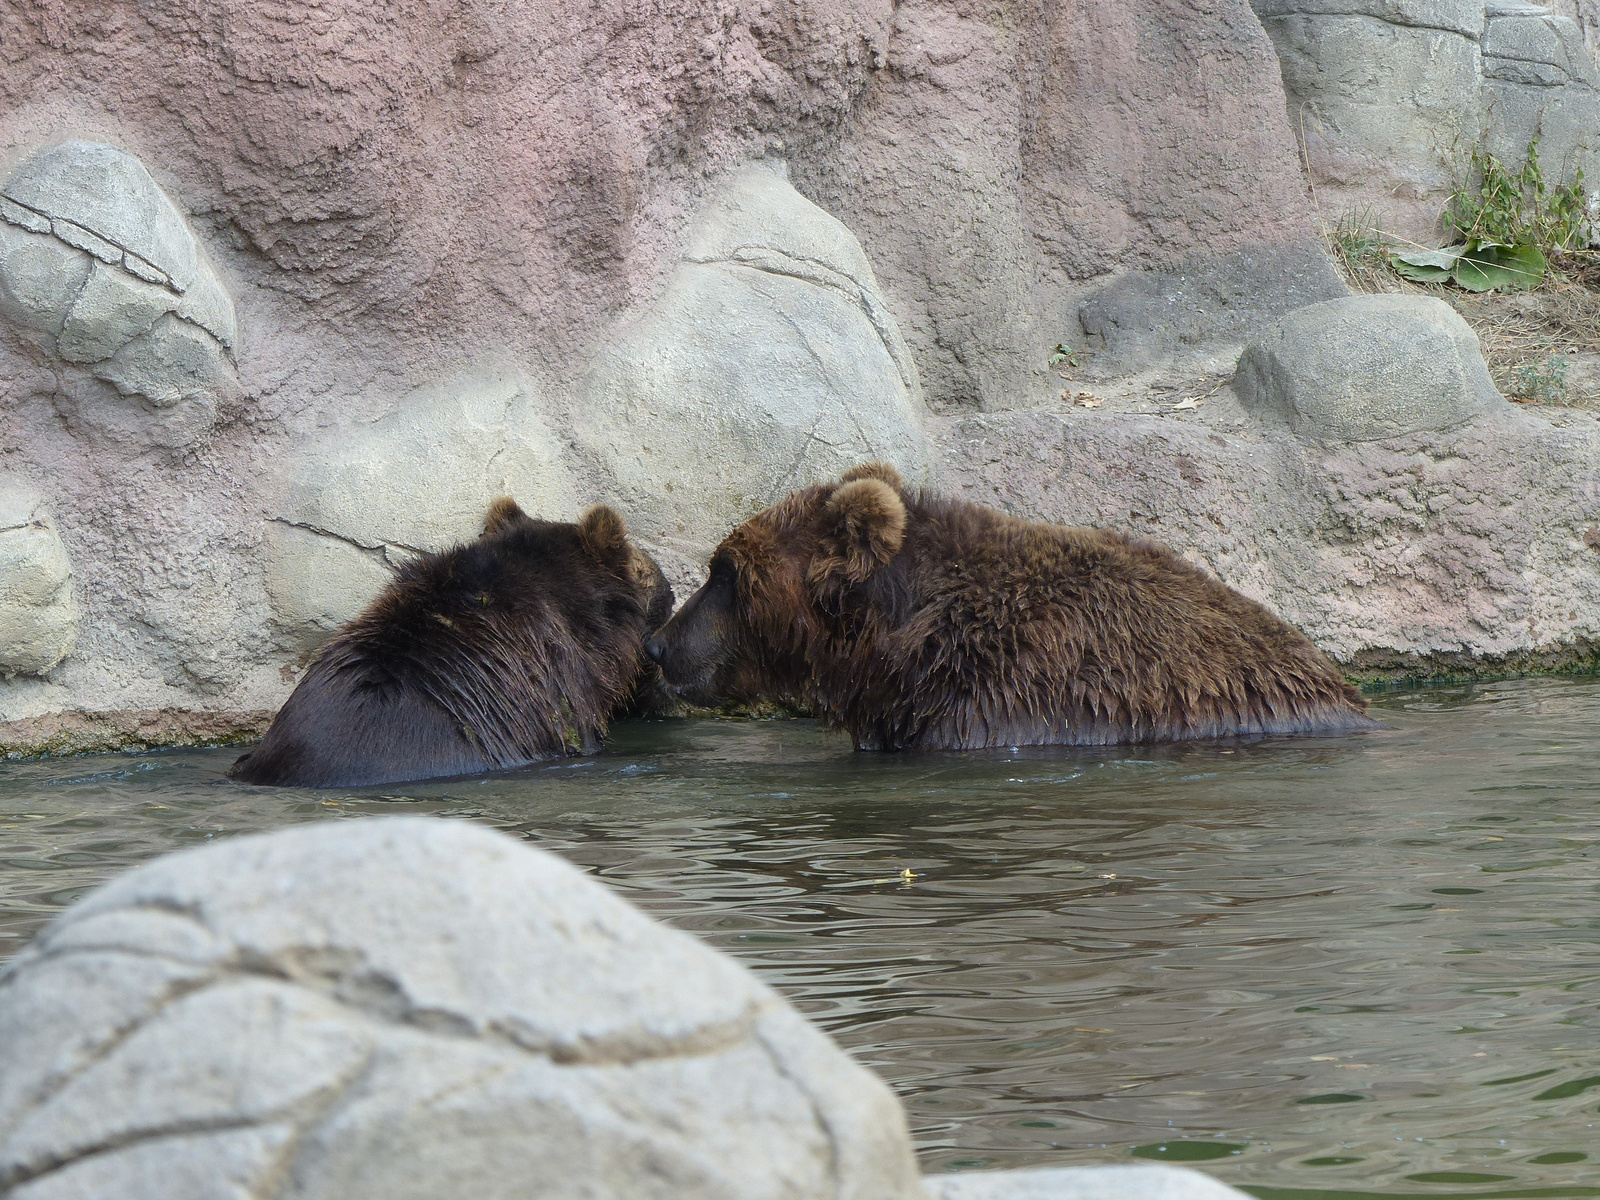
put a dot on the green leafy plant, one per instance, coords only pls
(1509, 224)
(1476, 265)
(1064, 353)
(1543, 383)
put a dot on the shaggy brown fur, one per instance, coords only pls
(913, 621)
(515, 648)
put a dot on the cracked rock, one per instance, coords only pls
(1368, 367)
(100, 268)
(38, 614)
(363, 500)
(412, 1008)
(771, 362)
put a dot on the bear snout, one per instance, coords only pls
(656, 649)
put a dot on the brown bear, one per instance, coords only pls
(917, 622)
(517, 647)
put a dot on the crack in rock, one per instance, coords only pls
(377, 551)
(773, 261)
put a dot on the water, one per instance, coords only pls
(1311, 967)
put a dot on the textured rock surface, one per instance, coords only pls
(1471, 548)
(1391, 97)
(38, 615)
(1079, 1183)
(1585, 14)
(400, 206)
(395, 201)
(1010, 160)
(412, 1008)
(771, 362)
(1368, 367)
(359, 502)
(100, 268)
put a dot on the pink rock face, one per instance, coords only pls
(516, 170)
(429, 166)
(1008, 157)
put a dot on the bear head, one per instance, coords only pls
(602, 538)
(816, 567)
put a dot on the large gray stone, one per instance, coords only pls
(360, 501)
(109, 193)
(1585, 14)
(771, 362)
(411, 1009)
(101, 269)
(38, 615)
(1368, 367)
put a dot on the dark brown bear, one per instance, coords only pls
(515, 648)
(915, 622)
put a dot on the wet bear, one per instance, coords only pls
(917, 622)
(517, 647)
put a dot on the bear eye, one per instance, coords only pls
(483, 599)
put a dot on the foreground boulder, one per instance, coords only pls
(413, 1008)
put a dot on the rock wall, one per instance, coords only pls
(1391, 97)
(288, 293)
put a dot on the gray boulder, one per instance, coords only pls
(100, 269)
(411, 1009)
(38, 615)
(1368, 367)
(770, 363)
(360, 501)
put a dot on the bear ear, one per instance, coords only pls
(875, 470)
(604, 535)
(503, 511)
(864, 526)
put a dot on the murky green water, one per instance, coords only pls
(1358, 965)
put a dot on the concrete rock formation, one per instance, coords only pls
(1585, 14)
(38, 615)
(99, 266)
(412, 1009)
(1392, 96)
(588, 203)
(359, 501)
(1368, 367)
(771, 362)
(1475, 548)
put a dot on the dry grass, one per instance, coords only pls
(1525, 335)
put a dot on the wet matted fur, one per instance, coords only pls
(517, 647)
(914, 621)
